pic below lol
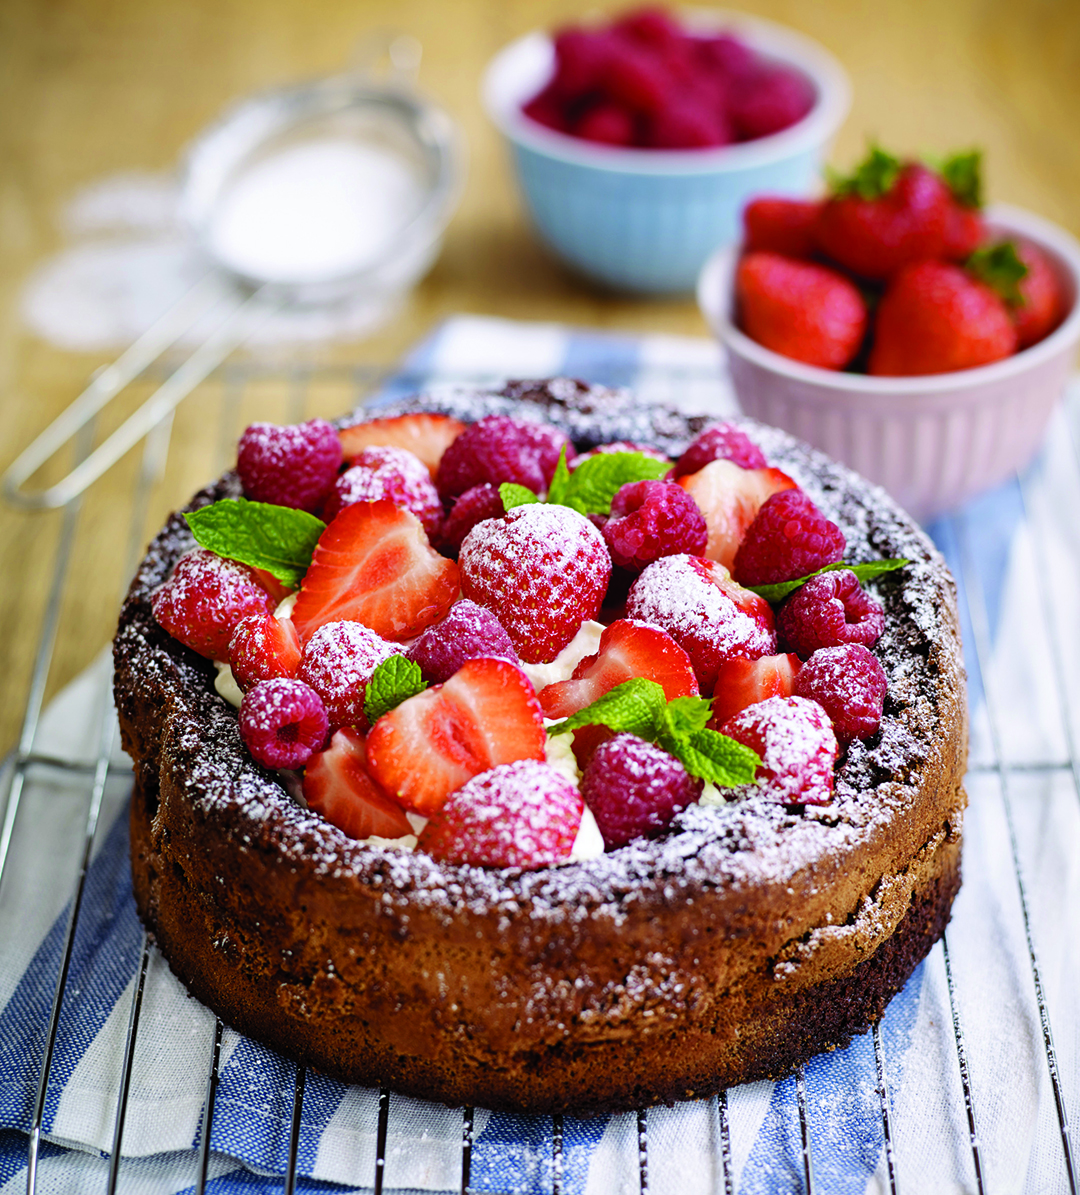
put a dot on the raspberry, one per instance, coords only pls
(727, 56)
(829, 610)
(771, 99)
(522, 814)
(474, 506)
(499, 449)
(290, 466)
(797, 747)
(849, 684)
(650, 519)
(204, 599)
(337, 663)
(635, 788)
(720, 442)
(263, 647)
(392, 473)
(789, 538)
(609, 124)
(634, 77)
(710, 617)
(468, 632)
(542, 570)
(282, 722)
(686, 124)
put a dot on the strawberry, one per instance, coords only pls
(426, 436)
(887, 215)
(800, 309)
(730, 497)
(374, 565)
(965, 229)
(1042, 304)
(936, 318)
(781, 225)
(740, 683)
(431, 744)
(277, 590)
(522, 814)
(627, 649)
(541, 570)
(263, 647)
(338, 786)
(585, 741)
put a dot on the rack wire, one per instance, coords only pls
(235, 382)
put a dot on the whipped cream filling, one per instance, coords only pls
(225, 684)
(585, 643)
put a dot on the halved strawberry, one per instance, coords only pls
(729, 498)
(425, 436)
(586, 740)
(278, 590)
(430, 745)
(374, 565)
(626, 649)
(740, 683)
(263, 647)
(338, 786)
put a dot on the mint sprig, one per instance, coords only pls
(864, 572)
(560, 481)
(395, 680)
(590, 488)
(639, 707)
(279, 539)
(513, 495)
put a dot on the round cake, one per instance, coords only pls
(747, 937)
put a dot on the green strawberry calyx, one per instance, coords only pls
(1000, 267)
(874, 177)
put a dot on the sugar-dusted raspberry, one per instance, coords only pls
(650, 519)
(720, 442)
(849, 683)
(337, 663)
(797, 746)
(204, 599)
(710, 617)
(635, 788)
(542, 570)
(523, 814)
(392, 473)
(290, 466)
(474, 506)
(829, 610)
(468, 632)
(499, 449)
(263, 647)
(789, 538)
(282, 722)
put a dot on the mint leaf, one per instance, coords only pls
(715, 757)
(560, 482)
(864, 572)
(278, 539)
(874, 177)
(633, 707)
(596, 481)
(513, 495)
(1000, 267)
(393, 681)
(962, 173)
(685, 716)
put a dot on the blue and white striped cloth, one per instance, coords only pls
(1019, 1137)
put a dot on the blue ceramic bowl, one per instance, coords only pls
(644, 219)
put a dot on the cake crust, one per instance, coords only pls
(742, 942)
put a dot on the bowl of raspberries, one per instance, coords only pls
(638, 142)
(900, 326)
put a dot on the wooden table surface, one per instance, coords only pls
(90, 88)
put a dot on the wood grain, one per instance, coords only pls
(92, 87)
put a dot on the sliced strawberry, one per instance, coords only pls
(263, 647)
(425, 436)
(430, 745)
(740, 683)
(627, 649)
(586, 740)
(278, 590)
(730, 498)
(338, 786)
(374, 565)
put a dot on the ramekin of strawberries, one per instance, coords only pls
(638, 141)
(900, 326)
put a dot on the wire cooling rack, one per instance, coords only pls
(237, 388)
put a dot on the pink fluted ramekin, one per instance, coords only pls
(931, 441)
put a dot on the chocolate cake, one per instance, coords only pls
(748, 937)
